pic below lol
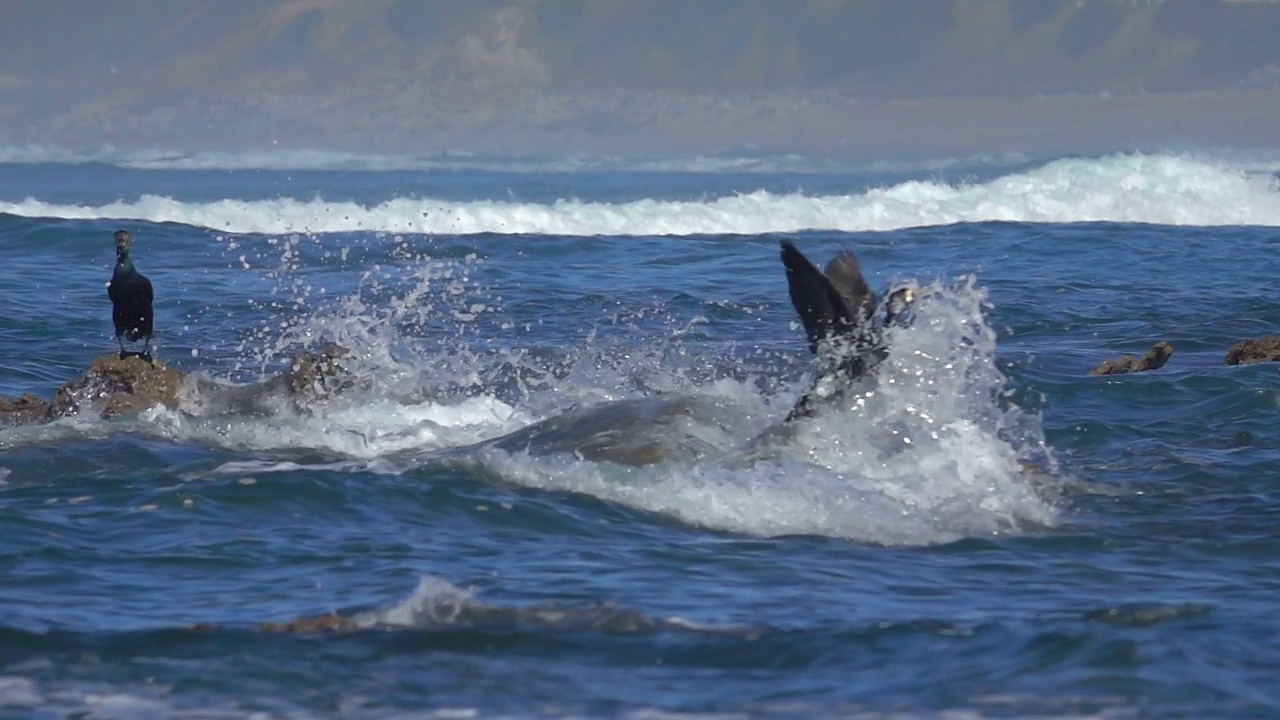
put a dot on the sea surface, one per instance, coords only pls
(983, 531)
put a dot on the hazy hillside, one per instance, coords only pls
(329, 68)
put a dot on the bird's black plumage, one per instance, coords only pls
(131, 300)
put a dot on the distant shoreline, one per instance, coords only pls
(638, 123)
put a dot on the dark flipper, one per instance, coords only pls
(845, 275)
(821, 307)
(835, 306)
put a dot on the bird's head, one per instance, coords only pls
(122, 243)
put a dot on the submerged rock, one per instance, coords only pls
(322, 623)
(1154, 359)
(1263, 349)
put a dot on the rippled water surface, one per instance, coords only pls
(986, 531)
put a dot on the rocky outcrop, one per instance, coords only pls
(118, 386)
(1263, 349)
(1154, 359)
(112, 386)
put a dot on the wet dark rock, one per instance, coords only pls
(112, 386)
(22, 410)
(1154, 359)
(322, 623)
(118, 386)
(1263, 349)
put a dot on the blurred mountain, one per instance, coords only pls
(445, 68)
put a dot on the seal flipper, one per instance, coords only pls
(845, 274)
(820, 305)
(835, 308)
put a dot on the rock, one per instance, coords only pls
(118, 386)
(1263, 349)
(1155, 359)
(113, 386)
(322, 623)
(22, 410)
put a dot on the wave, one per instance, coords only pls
(1158, 189)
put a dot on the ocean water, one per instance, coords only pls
(984, 531)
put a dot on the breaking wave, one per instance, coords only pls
(1162, 189)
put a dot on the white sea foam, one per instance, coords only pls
(358, 430)
(1167, 189)
(18, 692)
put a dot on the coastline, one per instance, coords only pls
(823, 123)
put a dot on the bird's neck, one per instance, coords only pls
(123, 263)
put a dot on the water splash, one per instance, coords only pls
(394, 306)
(930, 452)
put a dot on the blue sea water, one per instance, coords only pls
(987, 531)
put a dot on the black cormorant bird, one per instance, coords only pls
(836, 308)
(130, 293)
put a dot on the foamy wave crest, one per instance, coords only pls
(1164, 189)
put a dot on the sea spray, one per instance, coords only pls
(929, 451)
